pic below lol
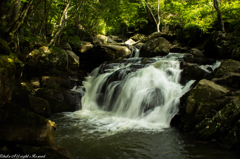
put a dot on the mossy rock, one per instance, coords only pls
(137, 37)
(233, 138)
(227, 66)
(59, 99)
(155, 47)
(192, 72)
(230, 79)
(7, 78)
(43, 59)
(22, 126)
(223, 124)
(151, 36)
(201, 96)
(4, 48)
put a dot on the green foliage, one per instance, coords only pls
(119, 16)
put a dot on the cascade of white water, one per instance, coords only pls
(150, 94)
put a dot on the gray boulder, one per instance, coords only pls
(155, 47)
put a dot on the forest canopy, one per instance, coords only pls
(49, 21)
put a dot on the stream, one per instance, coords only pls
(127, 107)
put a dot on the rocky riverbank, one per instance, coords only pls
(41, 84)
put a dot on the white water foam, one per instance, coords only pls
(145, 100)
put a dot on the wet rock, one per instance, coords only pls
(130, 42)
(55, 82)
(204, 92)
(223, 125)
(109, 40)
(155, 47)
(139, 45)
(230, 79)
(60, 100)
(204, 60)
(200, 58)
(192, 72)
(21, 126)
(175, 48)
(138, 37)
(112, 51)
(151, 37)
(227, 66)
(100, 39)
(188, 58)
(40, 106)
(196, 53)
(115, 38)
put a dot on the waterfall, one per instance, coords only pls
(147, 92)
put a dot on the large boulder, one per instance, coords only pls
(155, 47)
(60, 100)
(21, 126)
(113, 52)
(4, 48)
(151, 36)
(200, 58)
(55, 82)
(227, 66)
(138, 37)
(197, 103)
(40, 106)
(82, 47)
(192, 72)
(43, 59)
(100, 39)
(230, 79)
(7, 78)
(224, 125)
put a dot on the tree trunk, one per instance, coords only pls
(20, 19)
(15, 12)
(157, 22)
(220, 20)
(63, 21)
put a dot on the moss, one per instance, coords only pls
(4, 48)
(7, 66)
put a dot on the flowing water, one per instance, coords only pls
(126, 112)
